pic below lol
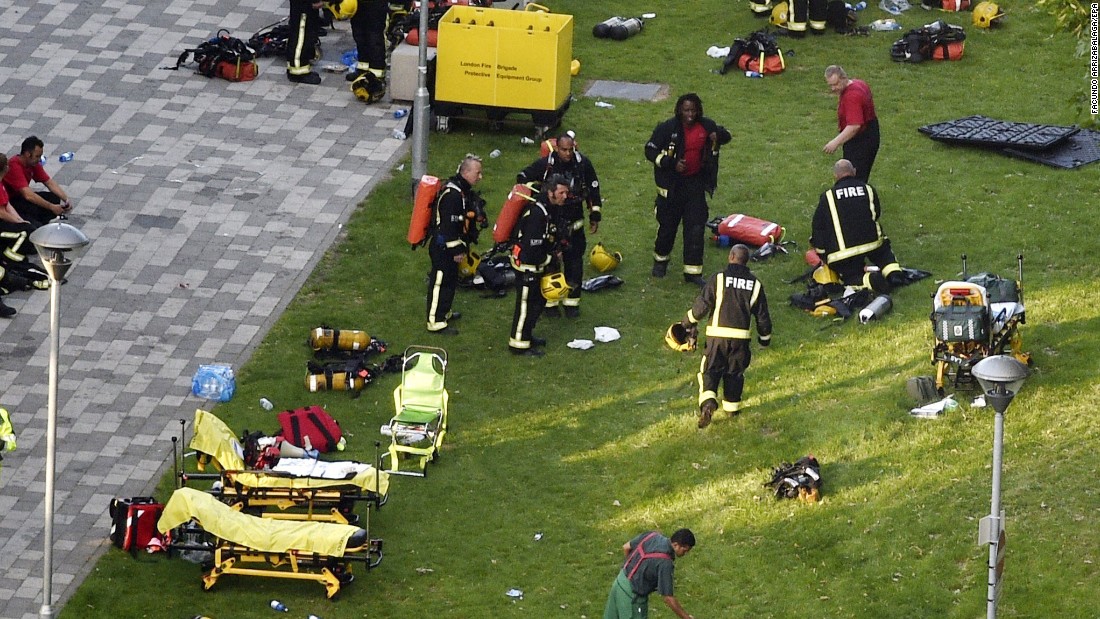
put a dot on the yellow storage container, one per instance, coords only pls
(507, 59)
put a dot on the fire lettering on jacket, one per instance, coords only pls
(857, 191)
(739, 282)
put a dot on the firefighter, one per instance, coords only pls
(459, 215)
(368, 28)
(684, 152)
(846, 232)
(584, 189)
(732, 299)
(534, 249)
(648, 566)
(301, 47)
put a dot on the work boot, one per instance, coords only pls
(660, 269)
(537, 341)
(694, 279)
(351, 76)
(527, 352)
(706, 413)
(448, 330)
(454, 316)
(572, 311)
(553, 311)
(6, 311)
(310, 78)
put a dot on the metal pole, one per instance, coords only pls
(995, 516)
(46, 612)
(421, 104)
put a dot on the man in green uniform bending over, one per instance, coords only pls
(648, 567)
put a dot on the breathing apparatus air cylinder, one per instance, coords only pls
(602, 30)
(337, 381)
(336, 339)
(627, 29)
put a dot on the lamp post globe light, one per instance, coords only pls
(1001, 377)
(57, 243)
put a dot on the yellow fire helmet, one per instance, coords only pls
(603, 260)
(554, 287)
(468, 267)
(779, 15)
(825, 275)
(985, 13)
(680, 339)
(342, 9)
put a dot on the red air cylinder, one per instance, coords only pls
(426, 192)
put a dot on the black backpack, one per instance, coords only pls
(920, 44)
(221, 47)
(759, 44)
(270, 40)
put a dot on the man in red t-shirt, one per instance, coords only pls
(25, 168)
(857, 123)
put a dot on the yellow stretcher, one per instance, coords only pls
(325, 490)
(319, 551)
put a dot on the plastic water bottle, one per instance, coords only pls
(279, 606)
(42, 160)
(66, 157)
(495, 153)
(526, 141)
(266, 404)
(400, 113)
(753, 74)
(859, 6)
(605, 105)
(399, 135)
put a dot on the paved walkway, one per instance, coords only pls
(208, 203)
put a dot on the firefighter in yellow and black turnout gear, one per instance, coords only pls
(584, 190)
(731, 299)
(534, 249)
(454, 228)
(301, 46)
(7, 433)
(368, 28)
(846, 232)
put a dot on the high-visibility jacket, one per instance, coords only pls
(731, 299)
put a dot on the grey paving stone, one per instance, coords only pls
(197, 195)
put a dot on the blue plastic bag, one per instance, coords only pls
(214, 382)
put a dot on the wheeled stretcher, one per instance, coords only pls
(975, 318)
(319, 551)
(419, 424)
(325, 490)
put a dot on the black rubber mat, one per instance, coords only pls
(983, 131)
(1079, 149)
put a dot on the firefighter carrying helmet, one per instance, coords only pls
(680, 338)
(603, 260)
(779, 15)
(985, 13)
(368, 87)
(342, 9)
(554, 287)
(468, 267)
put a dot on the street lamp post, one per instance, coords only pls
(57, 243)
(1001, 377)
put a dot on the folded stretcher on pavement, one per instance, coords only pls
(292, 482)
(303, 550)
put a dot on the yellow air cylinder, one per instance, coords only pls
(336, 339)
(340, 382)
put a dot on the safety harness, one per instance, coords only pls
(640, 554)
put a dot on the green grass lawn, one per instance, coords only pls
(588, 448)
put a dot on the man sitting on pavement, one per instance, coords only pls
(35, 207)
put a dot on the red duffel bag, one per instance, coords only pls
(750, 230)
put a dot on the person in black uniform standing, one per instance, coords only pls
(454, 228)
(535, 247)
(368, 28)
(584, 188)
(301, 46)
(684, 152)
(846, 232)
(732, 299)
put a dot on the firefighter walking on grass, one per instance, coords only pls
(732, 299)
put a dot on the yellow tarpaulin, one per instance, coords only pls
(261, 534)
